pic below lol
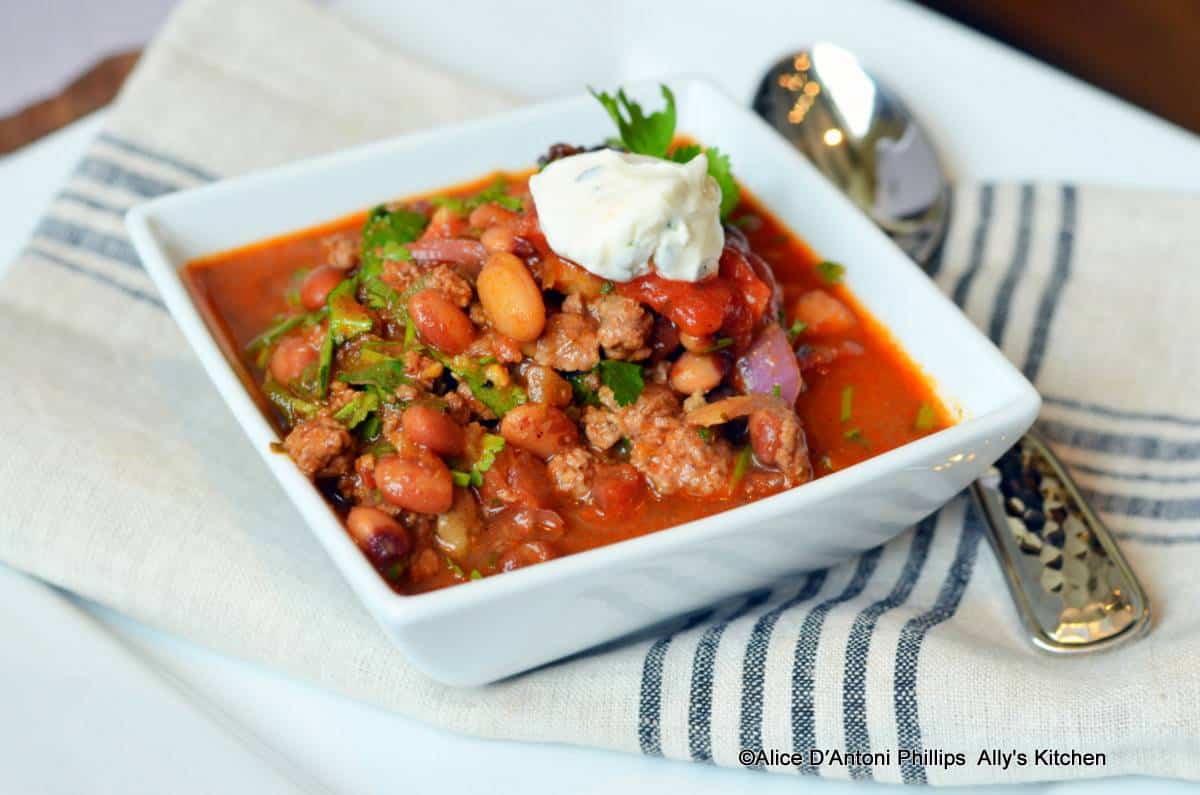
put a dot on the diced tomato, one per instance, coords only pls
(698, 308)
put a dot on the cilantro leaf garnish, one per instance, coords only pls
(652, 135)
(831, 272)
(721, 170)
(623, 378)
(847, 402)
(384, 237)
(641, 134)
(797, 328)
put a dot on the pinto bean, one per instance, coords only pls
(292, 356)
(318, 284)
(697, 372)
(517, 477)
(511, 297)
(696, 344)
(486, 215)
(421, 484)
(440, 323)
(381, 536)
(542, 430)
(434, 429)
(498, 238)
(822, 313)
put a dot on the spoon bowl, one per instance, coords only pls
(862, 137)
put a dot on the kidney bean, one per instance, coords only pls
(511, 298)
(434, 429)
(291, 357)
(421, 484)
(318, 284)
(440, 323)
(541, 429)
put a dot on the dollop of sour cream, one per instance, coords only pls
(613, 213)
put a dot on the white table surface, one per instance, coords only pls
(996, 115)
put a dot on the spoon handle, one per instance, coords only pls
(1073, 588)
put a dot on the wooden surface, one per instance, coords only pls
(1146, 51)
(91, 91)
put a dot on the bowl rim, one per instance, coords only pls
(402, 609)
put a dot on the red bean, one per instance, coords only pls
(517, 477)
(420, 484)
(542, 430)
(381, 536)
(318, 284)
(617, 490)
(292, 356)
(766, 435)
(440, 323)
(427, 426)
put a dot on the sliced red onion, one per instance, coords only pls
(770, 363)
(460, 251)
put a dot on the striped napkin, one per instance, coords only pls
(125, 479)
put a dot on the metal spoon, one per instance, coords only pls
(1073, 588)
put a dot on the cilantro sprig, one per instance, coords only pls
(652, 135)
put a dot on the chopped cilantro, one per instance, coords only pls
(777, 391)
(847, 402)
(584, 394)
(292, 407)
(641, 134)
(376, 369)
(705, 433)
(383, 238)
(926, 418)
(606, 288)
(489, 448)
(721, 342)
(371, 427)
(264, 341)
(325, 363)
(357, 410)
(855, 435)
(347, 318)
(475, 575)
(623, 378)
(496, 193)
(500, 399)
(454, 568)
(740, 465)
(830, 271)
(797, 328)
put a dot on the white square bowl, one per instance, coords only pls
(524, 618)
